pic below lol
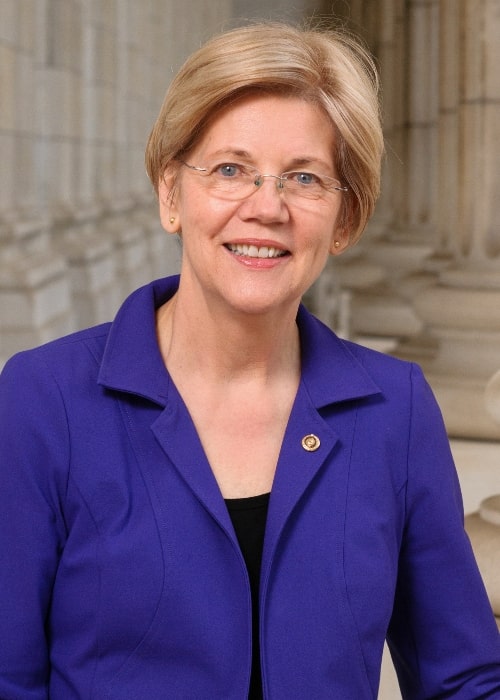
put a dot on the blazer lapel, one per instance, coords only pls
(177, 436)
(297, 466)
(332, 379)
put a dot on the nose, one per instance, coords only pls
(266, 203)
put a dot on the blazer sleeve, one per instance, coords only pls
(442, 637)
(33, 463)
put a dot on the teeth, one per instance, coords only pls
(252, 251)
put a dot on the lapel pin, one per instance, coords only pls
(311, 442)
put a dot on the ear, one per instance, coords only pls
(169, 214)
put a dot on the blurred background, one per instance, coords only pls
(81, 83)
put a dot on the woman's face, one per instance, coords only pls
(224, 240)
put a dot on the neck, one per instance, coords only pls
(228, 346)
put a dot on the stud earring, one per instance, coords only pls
(172, 219)
(337, 244)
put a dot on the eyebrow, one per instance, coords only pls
(298, 162)
(227, 152)
(294, 163)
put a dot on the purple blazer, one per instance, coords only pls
(120, 573)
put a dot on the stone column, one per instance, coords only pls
(461, 312)
(448, 167)
(423, 91)
(483, 528)
(34, 286)
(80, 234)
(399, 238)
(22, 49)
(344, 280)
(449, 142)
(492, 396)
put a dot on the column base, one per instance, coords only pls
(459, 350)
(462, 402)
(483, 528)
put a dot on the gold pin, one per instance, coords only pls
(311, 442)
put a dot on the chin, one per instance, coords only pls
(260, 303)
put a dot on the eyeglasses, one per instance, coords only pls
(235, 181)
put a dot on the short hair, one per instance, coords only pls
(328, 67)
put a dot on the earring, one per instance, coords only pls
(337, 244)
(172, 219)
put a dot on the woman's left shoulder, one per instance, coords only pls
(384, 366)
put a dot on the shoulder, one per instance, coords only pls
(383, 366)
(87, 347)
(403, 384)
(40, 387)
(352, 370)
(68, 355)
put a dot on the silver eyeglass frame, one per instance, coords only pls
(259, 178)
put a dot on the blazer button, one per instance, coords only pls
(311, 442)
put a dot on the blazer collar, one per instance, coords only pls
(330, 370)
(132, 361)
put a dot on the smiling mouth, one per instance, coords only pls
(253, 251)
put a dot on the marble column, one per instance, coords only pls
(342, 286)
(34, 284)
(401, 236)
(461, 312)
(448, 169)
(492, 397)
(483, 528)
(449, 141)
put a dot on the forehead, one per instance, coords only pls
(270, 125)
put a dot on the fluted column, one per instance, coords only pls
(347, 278)
(22, 49)
(449, 151)
(411, 239)
(480, 240)
(445, 239)
(423, 90)
(398, 239)
(34, 285)
(462, 311)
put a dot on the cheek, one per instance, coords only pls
(328, 218)
(321, 235)
(204, 215)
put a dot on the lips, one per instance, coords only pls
(254, 251)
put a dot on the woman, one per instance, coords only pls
(214, 496)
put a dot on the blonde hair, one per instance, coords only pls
(327, 67)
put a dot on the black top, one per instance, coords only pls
(249, 521)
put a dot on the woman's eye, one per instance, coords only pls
(228, 170)
(306, 178)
